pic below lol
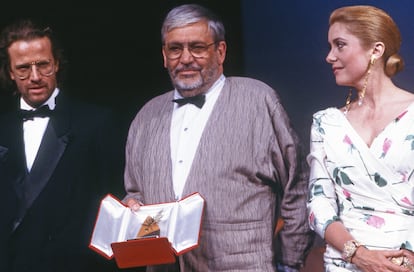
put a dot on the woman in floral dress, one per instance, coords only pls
(362, 155)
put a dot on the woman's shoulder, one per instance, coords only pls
(328, 112)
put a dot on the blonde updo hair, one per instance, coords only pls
(370, 24)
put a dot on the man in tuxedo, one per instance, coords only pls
(229, 139)
(58, 158)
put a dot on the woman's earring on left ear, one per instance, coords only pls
(362, 92)
(348, 101)
(373, 60)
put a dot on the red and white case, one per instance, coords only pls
(116, 229)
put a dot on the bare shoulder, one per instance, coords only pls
(407, 93)
(404, 99)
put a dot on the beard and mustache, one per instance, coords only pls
(201, 80)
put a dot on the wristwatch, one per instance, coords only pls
(350, 247)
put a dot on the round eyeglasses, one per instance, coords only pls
(44, 67)
(197, 50)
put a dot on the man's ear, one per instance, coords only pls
(164, 57)
(221, 49)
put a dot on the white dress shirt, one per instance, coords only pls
(187, 125)
(34, 129)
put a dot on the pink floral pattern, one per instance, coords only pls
(375, 221)
(348, 141)
(400, 116)
(312, 217)
(406, 200)
(379, 192)
(347, 194)
(385, 147)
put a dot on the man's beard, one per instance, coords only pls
(187, 83)
(199, 82)
(182, 85)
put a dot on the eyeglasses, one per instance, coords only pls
(197, 50)
(44, 67)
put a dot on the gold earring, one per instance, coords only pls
(372, 60)
(348, 101)
(361, 94)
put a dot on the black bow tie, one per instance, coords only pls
(197, 100)
(43, 111)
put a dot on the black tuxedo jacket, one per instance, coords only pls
(48, 214)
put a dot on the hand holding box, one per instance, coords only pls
(121, 232)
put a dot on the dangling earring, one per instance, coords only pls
(361, 94)
(348, 101)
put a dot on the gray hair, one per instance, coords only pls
(189, 14)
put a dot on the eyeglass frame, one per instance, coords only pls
(36, 63)
(190, 48)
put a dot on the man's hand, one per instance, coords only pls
(133, 204)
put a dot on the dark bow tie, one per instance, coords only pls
(197, 100)
(43, 111)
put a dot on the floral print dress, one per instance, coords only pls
(369, 189)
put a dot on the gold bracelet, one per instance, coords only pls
(350, 248)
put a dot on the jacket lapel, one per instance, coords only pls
(49, 154)
(52, 147)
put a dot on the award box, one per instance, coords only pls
(116, 229)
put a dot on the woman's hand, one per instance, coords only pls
(379, 260)
(408, 259)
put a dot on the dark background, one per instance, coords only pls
(114, 48)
